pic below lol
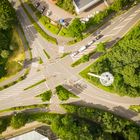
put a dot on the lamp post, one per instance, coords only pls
(106, 78)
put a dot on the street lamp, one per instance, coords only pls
(106, 78)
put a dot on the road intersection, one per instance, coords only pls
(58, 71)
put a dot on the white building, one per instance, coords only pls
(33, 135)
(81, 5)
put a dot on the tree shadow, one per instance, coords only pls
(125, 113)
(107, 46)
(75, 88)
(112, 43)
(83, 103)
(28, 62)
(118, 110)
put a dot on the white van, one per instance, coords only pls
(82, 48)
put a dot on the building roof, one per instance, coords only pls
(84, 4)
(33, 135)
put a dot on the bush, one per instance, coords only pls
(18, 120)
(4, 123)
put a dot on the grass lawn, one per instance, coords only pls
(64, 94)
(39, 82)
(45, 96)
(135, 108)
(16, 59)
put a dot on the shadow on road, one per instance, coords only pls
(75, 88)
(118, 110)
(112, 42)
(28, 62)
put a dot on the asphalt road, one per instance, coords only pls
(58, 71)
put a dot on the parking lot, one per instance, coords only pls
(53, 10)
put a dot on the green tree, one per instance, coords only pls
(7, 15)
(4, 54)
(76, 28)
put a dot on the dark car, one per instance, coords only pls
(37, 4)
(42, 9)
(99, 36)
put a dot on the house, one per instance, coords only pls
(82, 5)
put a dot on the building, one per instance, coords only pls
(33, 135)
(82, 5)
(40, 133)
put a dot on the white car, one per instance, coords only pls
(90, 43)
(82, 48)
(74, 54)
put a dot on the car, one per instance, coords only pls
(82, 49)
(74, 54)
(99, 36)
(42, 9)
(49, 12)
(94, 40)
(37, 4)
(90, 43)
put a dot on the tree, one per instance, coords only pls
(76, 28)
(4, 54)
(7, 15)
(4, 122)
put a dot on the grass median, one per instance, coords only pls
(18, 108)
(45, 96)
(35, 84)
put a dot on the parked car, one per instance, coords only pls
(90, 43)
(82, 49)
(49, 12)
(37, 4)
(42, 9)
(74, 54)
(99, 36)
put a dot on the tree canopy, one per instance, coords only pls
(7, 15)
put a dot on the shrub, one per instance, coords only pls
(18, 120)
